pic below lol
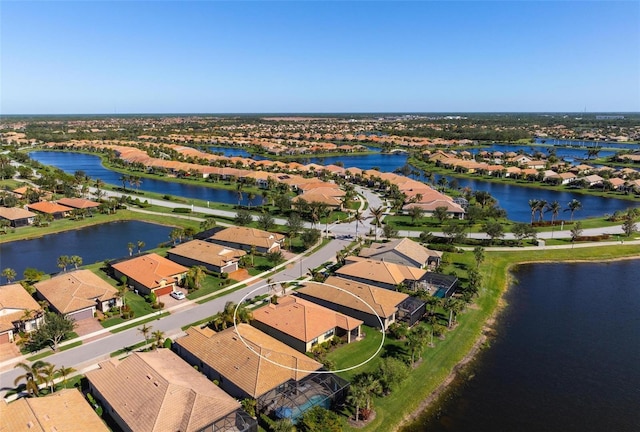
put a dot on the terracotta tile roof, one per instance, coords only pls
(75, 290)
(383, 301)
(65, 410)
(432, 205)
(379, 271)
(317, 197)
(404, 246)
(14, 213)
(247, 370)
(48, 207)
(247, 236)
(207, 252)
(150, 270)
(302, 319)
(14, 301)
(78, 203)
(158, 391)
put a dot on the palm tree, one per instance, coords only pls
(377, 213)
(124, 178)
(533, 205)
(454, 306)
(140, 244)
(196, 275)
(573, 206)
(145, 330)
(33, 375)
(63, 262)
(65, 372)
(75, 260)
(239, 192)
(9, 273)
(130, 246)
(250, 197)
(372, 386)
(543, 206)
(158, 336)
(555, 208)
(357, 398)
(48, 376)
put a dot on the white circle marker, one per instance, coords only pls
(235, 326)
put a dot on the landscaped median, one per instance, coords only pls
(439, 362)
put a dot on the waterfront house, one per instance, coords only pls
(302, 324)
(380, 273)
(402, 251)
(246, 238)
(79, 203)
(212, 256)
(248, 363)
(453, 209)
(58, 211)
(78, 294)
(355, 299)
(17, 217)
(64, 410)
(158, 391)
(19, 312)
(593, 179)
(150, 273)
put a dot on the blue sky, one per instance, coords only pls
(61, 57)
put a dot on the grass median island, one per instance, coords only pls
(461, 342)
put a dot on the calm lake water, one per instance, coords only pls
(91, 165)
(565, 357)
(513, 198)
(586, 143)
(95, 243)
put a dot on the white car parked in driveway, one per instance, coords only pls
(178, 295)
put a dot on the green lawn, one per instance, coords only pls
(209, 285)
(136, 303)
(355, 353)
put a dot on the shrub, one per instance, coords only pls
(168, 343)
(181, 210)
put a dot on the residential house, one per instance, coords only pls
(453, 210)
(248, 363)
(79, 204)
(402, 251)
(158, 391)
(212, 256)
(593, 179)
(18, 312)
(64, 410)
(302, 324)
(376, 307)
(150, 273)
(78, 294)
(246, 238)
(58, 211)
(17, 217)
(380, 273)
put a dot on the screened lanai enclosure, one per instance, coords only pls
(292, 399)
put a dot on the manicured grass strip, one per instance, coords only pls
(48, 353)
(139, 323)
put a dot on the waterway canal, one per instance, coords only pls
(565, 357)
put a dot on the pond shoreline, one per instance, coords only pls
(488, 328)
